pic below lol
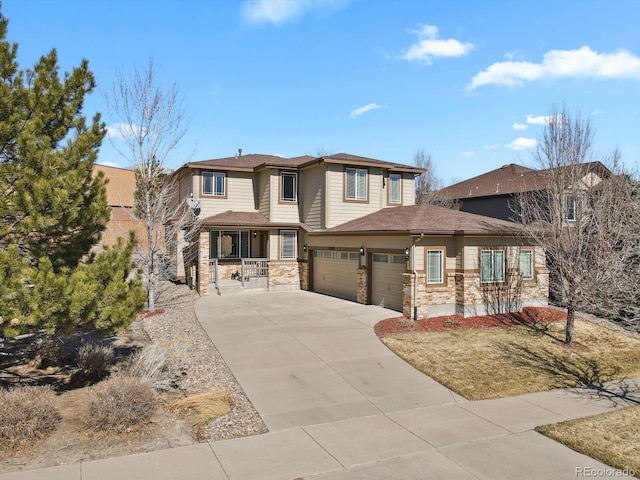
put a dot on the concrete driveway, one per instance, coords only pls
(340, 406)
(306, 359)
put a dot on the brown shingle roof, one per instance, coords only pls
(501, 181)
(347, 158)
(427, 219)
(253, 161)
(249, 162)
(509, 179)
(246, 219)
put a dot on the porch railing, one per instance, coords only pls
(253, 268)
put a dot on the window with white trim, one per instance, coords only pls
(356, 184)
(526, 264)
(288, 244)
(491, 266)
(395, 188)
(435, 266)
(213, 183)
(288, 187)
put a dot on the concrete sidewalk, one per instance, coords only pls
(340, 405)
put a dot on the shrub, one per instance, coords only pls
(202, 407)
(95, 359)
(154, 364)
(119, 404)
(27, 413)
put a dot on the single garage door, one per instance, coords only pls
(335, 273)
(386, 280)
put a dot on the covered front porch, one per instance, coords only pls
(248, 249)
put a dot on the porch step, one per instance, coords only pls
(230, 287)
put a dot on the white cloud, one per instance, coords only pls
(522, 143)
(597, 112)
(519, 126)
(582, 62)
(278, 12)
(120, 131)
(495, 146)
(429, 46)
(364, 109)
(537, 120)
(468, 153)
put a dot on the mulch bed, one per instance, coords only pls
(452, 323)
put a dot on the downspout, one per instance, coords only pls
(415, 276)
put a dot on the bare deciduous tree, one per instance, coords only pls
(428, 184)
(590, 219)
(150, 122)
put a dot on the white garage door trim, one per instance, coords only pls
(336, 273)
(386, 279)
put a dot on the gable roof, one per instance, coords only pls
(426, 219)
(510, 179)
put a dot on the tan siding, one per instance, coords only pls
(311, 196)
(239, 190)
(274, 244)
(121, 184)
(281, 212)
(264, 189)
(341, 211)
(184, 187)
(408, 189)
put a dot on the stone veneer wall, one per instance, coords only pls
(284, 275)
(303, 269)
(361, 289)
(203, 265)
(431, 300)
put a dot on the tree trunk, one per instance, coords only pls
(571, 313)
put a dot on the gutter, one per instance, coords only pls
(415, 276)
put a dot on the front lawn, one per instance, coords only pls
(506, 361)
(612, 438)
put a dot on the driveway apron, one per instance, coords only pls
(307, 359)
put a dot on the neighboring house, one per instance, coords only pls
(348, 226)
(121, 185)
(494, 193)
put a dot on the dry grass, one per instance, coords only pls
(201, 408)
(27, 414)
(500, 362)
(119, 404)
(612, 438)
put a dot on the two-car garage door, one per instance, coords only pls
(336, 273)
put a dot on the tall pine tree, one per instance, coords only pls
(52, 211)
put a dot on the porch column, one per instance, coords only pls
(203, 263)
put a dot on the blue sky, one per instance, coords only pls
(467, 81)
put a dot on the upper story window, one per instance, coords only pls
(570, 201)
(355, 184)
(395, 188)
(288, 187)
(213, 183)
(491, 266)
(526, 264)
(435, 266)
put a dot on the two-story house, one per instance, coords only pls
(348, 226)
